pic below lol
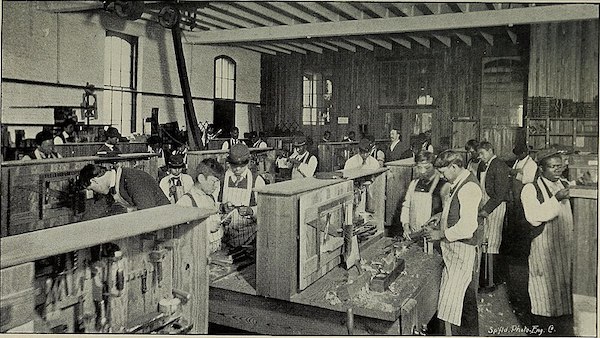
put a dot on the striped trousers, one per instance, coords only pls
(493, 229)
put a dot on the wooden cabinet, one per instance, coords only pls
(162, 257)
(579, 133)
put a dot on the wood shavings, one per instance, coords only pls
(332, 298)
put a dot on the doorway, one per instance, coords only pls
(224, 116)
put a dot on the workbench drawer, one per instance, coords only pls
(418, 311)
(16, 296)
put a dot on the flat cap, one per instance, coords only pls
(239, 154)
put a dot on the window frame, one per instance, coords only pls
(222, 79)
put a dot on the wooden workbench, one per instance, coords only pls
(410, 302)
(262, 160)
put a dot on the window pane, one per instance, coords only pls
(218, 93)
(218, 65)
(231, 72)
(231, 89)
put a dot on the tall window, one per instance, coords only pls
(316, 99)
(224, 78)
(120, 80)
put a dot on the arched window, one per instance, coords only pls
(224, 78)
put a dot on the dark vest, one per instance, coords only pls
(454, 213)
(535, 231)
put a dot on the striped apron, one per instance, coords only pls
(550, 262)
(459, 262)
(421, 204)
(241, 230)
(492, 225)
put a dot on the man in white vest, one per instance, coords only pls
(302, 162)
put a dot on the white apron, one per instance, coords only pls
(420, 206)
(241, 229)
(550, 262)
(459, 262)
(492, 225)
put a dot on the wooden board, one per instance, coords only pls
(90, 148)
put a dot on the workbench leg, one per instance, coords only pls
(448, 328)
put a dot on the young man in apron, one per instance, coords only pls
(128, 189)
(45, 147)
(302, 163)
(458, 234)
(176, 183)
(495, 186)
(238, 201)
(423, 197)
(548, 209)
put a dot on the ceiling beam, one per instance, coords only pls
(464, 7)
(422, 41)
(512, 35)
(307, 46)
(206, 19)
(377, 9)
(259, 49)
(443, 39)
(361, 43)
(348, 10)
(488, 37)
(233, 11)
(342, 44)
(433, 7)
(255, 7)
(402, 42)
(380, 42)
(504, 17)
(289, 47)
(322, 11)
(227, 17)
(407, 8)
(273, 48)
(465, 38)
(68, 6)
(325, 45)
(286, 7)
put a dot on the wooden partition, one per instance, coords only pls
(398, 178)
(262, 160)
(40, 194)
(585, 259)
(163, 256)
(333, 155)
(90, 148)
(373, 197)
(217, 143)
(281, 143)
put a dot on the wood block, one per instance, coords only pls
(349, 290)
(382, 281)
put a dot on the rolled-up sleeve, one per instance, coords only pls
(535, 212)
(469, 197)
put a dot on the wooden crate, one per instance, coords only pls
(16, 296)
(40, 194)
(285, 254)
(585, 259)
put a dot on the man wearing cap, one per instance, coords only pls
(238, 201)
(68, 132)
(495, 186)
(548, 210)
(176, 183)
(302, 162)
(235, 133)
(362, 160)
(127, 189)
(44, 149)
(393, 152)
(110, 145)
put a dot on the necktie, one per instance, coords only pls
(175, 182)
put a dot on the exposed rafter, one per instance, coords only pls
(273, 48)
(465, 38)
(402, 42)
(254, 7)
(380, 42)
(421, 40)
(361, 43)
(407, 8)
(348, 9)
(259, 50)
(234, 11)
(286, 7)
(377, 8)
(290, 47)
(209, 19)
(325, 45)
(488, 37)
(228, 18)
(343, 44)
(464, 7)
(318, 9)
(485, 18)
(443, 39)
(307, 46)
(512, 35)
